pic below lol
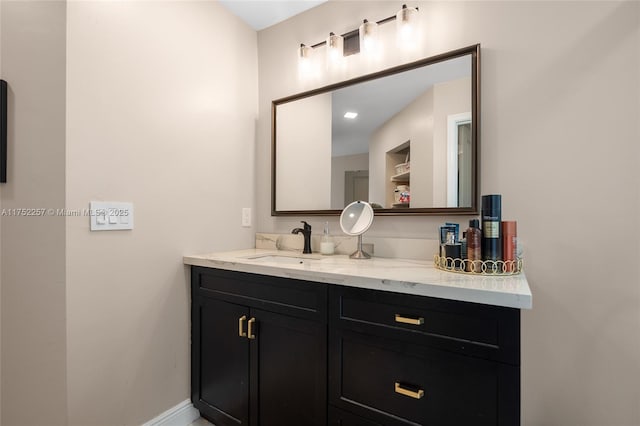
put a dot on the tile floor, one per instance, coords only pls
(201, 422)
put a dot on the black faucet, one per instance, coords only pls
(306, 232)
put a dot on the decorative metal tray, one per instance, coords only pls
(478, 267)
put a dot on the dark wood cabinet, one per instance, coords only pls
(338, 417)
(270, 351)
(290, 362)
(222, 370)
(255, 359)
(403, 360)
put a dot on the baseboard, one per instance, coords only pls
(182, 414)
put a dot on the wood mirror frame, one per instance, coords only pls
(474, 52)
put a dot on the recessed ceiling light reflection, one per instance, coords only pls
(350, 115)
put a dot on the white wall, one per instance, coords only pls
(559, 141)
(415, 124)
(449, 98)
(32, 248)
(424, 123)
(340, 165)
(149, 102)
(303, 131)
(161, 109)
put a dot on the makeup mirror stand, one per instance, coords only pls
(355, 219)
(359, 254)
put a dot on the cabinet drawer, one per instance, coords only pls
(480, 330)
(282, 295)
(398, 383)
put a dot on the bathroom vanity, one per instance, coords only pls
(284, 339)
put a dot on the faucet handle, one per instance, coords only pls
(307, 227)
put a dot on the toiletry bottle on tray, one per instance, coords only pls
(491, 235)
(474, 246)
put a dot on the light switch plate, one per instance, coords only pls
(111, 215)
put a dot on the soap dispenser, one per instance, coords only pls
(326, 245)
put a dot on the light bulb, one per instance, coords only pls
(335, 50)
(305, 65)
(368, 32)
(407, 27)
(304, 53)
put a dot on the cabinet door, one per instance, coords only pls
(289, 367)
(222, 362)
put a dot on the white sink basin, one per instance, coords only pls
(284, 259)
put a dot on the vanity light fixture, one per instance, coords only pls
(368, 33)
(365, 38)
(304, 58)
(304, 52)
(407, 27)
(335, 49)
(350, 115)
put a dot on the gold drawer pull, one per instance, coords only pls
(412, 321)
(250, 330)
(241, 321)
(406, 392)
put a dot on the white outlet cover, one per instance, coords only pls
(246, 217)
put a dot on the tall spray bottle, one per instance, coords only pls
(491, 229)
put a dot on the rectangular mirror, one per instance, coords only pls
(411, 149)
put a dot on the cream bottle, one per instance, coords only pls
(326, 244)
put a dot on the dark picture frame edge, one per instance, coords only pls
(3, 131)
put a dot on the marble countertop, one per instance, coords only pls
(415, 277)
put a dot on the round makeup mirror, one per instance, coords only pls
(355, 219)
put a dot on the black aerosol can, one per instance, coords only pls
(491, 230)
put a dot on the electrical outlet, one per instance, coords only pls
(246, 217)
